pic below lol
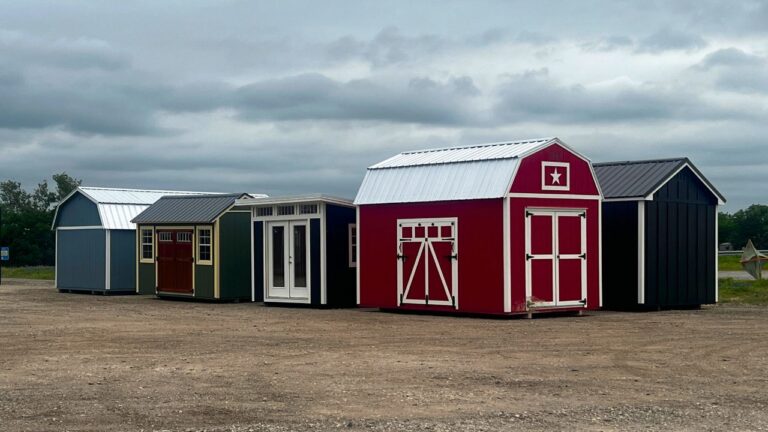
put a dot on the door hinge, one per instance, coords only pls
(454, 256)
(528, 214)
(401, 299)
(583, 301)
(584, 215)
(583, 256)
(453, 301)
(402, 257)
(528, 257)
(426, 298)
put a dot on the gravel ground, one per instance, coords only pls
(135, 363)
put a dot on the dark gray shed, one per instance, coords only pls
(95, 239)
(659, 234)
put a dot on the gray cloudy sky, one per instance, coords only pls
(300, 96)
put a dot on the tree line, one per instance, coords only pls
(27, 218)
(749, 223)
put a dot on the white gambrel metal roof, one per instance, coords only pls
(454, 173)
(482, 152)
(118, 206)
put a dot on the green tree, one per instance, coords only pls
(751, 223)
(27, 218)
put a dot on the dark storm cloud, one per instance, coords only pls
(79, 53)
(315, 96)
(534, 95)
(736, 70)
(670, 40)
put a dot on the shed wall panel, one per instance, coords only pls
(528, 178)
(147, 284)
(342, 278)
(122, 266)
(235, 250)
(81, 259)
(258, 261)
(315, 271)
(480, 266)
(620, 249)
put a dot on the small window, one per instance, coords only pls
(308, 209)
(286, 210)
(184, 237)
(264, 211)
(204, 245)
(165, 236)
(147, 245)
(352, 245)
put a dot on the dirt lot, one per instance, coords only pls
(82, 362)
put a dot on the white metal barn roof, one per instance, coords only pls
(118, 206)
(445, 174)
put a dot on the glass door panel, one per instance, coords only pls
(299, 254)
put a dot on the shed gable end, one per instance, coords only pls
(77, 211)
(685, 186)
(554, 170)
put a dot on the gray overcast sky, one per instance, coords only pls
(300, 96)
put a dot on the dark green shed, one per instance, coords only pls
(195, 247)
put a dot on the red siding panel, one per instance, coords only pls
(480, 274)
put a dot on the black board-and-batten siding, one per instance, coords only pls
(660, 251)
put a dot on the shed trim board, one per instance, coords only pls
(108, 259)
(78, 228)
(507, 255)
(359, 264)
(641, 252)
(696, 172)
(717, 255)
(253, 269)
(323, 254)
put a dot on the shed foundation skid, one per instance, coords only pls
(499, 229)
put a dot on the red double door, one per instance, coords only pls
(556, 257)
(175, 261)
(427, 265)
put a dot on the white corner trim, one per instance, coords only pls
(359, 265)
(108, 253)
(506, 240)
(641, 252)
(717, 256)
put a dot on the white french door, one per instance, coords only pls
(288, 260)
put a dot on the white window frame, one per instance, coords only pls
(151, 230)
(199, 244)
(352, 244)
(545, 186)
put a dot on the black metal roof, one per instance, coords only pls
(638, 179)
(187, 209)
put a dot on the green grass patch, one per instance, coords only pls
(37, 272)
(729, 262)
(744, 291)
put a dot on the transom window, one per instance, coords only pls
(264, 211)
(147, 245)
(184, 237)
(204, 245)
(286, 210)
(308, 209)
(164, 236)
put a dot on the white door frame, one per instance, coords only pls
(287, 293)
(555, 256)
(452, 291)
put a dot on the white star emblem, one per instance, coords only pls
(555, 177)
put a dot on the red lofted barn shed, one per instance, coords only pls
(503, 228)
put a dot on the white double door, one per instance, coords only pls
(288, 260)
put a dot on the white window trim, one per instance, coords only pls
(141, 245)
(198, 229)
(545, 186)
(352, 246)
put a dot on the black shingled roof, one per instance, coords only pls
(638, 179)
(187, 209)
